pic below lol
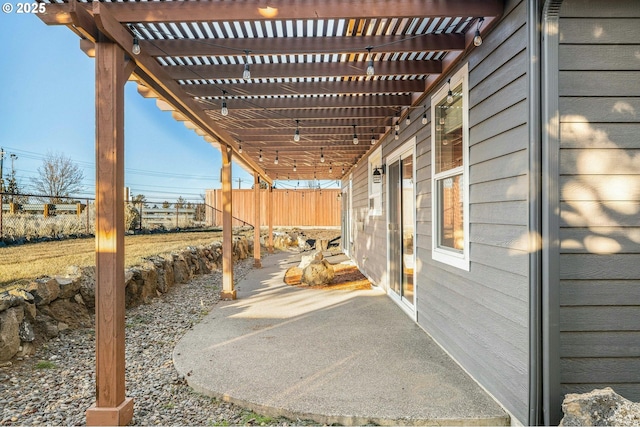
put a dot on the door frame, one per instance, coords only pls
(347, 232)
(403, 151)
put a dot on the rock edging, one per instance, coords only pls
(600, 407)
(49, 305)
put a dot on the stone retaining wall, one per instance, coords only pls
(49, 305)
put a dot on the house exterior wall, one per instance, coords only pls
(369, 231)
(479, 316)
(599, 183)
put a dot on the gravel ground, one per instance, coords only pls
(57, 384)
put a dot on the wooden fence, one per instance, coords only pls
(291, 208)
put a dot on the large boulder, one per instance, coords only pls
(181, 271)
(10, 321)
(318, 273)
(600, 407)
(87, 284)
(70, 313)
(44, 290)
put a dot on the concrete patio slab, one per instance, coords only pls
(346, 357)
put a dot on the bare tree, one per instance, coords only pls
(58, 177)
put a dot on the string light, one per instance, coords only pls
(275, 161)
(477, 40)
(136, 46)
(424, 116)
(396, 136)
(370, 70)
(397, 125)
(330, 168)
(373, 139)
(296, 135)
(260, 158)
(321, 156)
(240, 149)
(295, 168)
(224, 110)
(355, 136)
(246, 74)
(408, 120)
(450, 93)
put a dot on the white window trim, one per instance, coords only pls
(454, 259)
(375, 160)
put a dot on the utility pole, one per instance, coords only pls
(1, 190)
(13, 175)
(1, 173)
(239, 182)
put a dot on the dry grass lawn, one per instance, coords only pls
(20, 263)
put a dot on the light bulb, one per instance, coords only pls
(397, 126)
(396, 136)
(450, 97)
(275, 161)
(321, 158)
(373, 140)
(296, 136)
(260, 158)
(370, 70)
(136, 46)
(295, 168)
(424, 119)
(224, 111)
(442, 120)
(477, 40)
(355, 140)
(408, 120)
(240, 149)
(246, 74)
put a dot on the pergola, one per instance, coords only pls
(289, 89)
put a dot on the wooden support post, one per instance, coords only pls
(111, 407)
(228, 291)
(270, 220)
(256, 221)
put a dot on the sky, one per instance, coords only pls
(47, 105)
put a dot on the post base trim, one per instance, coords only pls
(228, 295)
(121, 415)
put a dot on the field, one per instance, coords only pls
(24, 262)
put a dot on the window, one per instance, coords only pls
(450, 171)
(375, 183)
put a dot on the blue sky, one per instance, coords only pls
(47, 104)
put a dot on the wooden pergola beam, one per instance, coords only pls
(304, 70)
(304, 88)
(309, 116)
(336, 131)
(150, 12)
(320, 103)
(303, 46)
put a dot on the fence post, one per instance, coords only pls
(1, 210)
(177, 215)
(140, 225)
(45, 212)
(87, 210)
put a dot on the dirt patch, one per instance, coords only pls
(347, 277)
